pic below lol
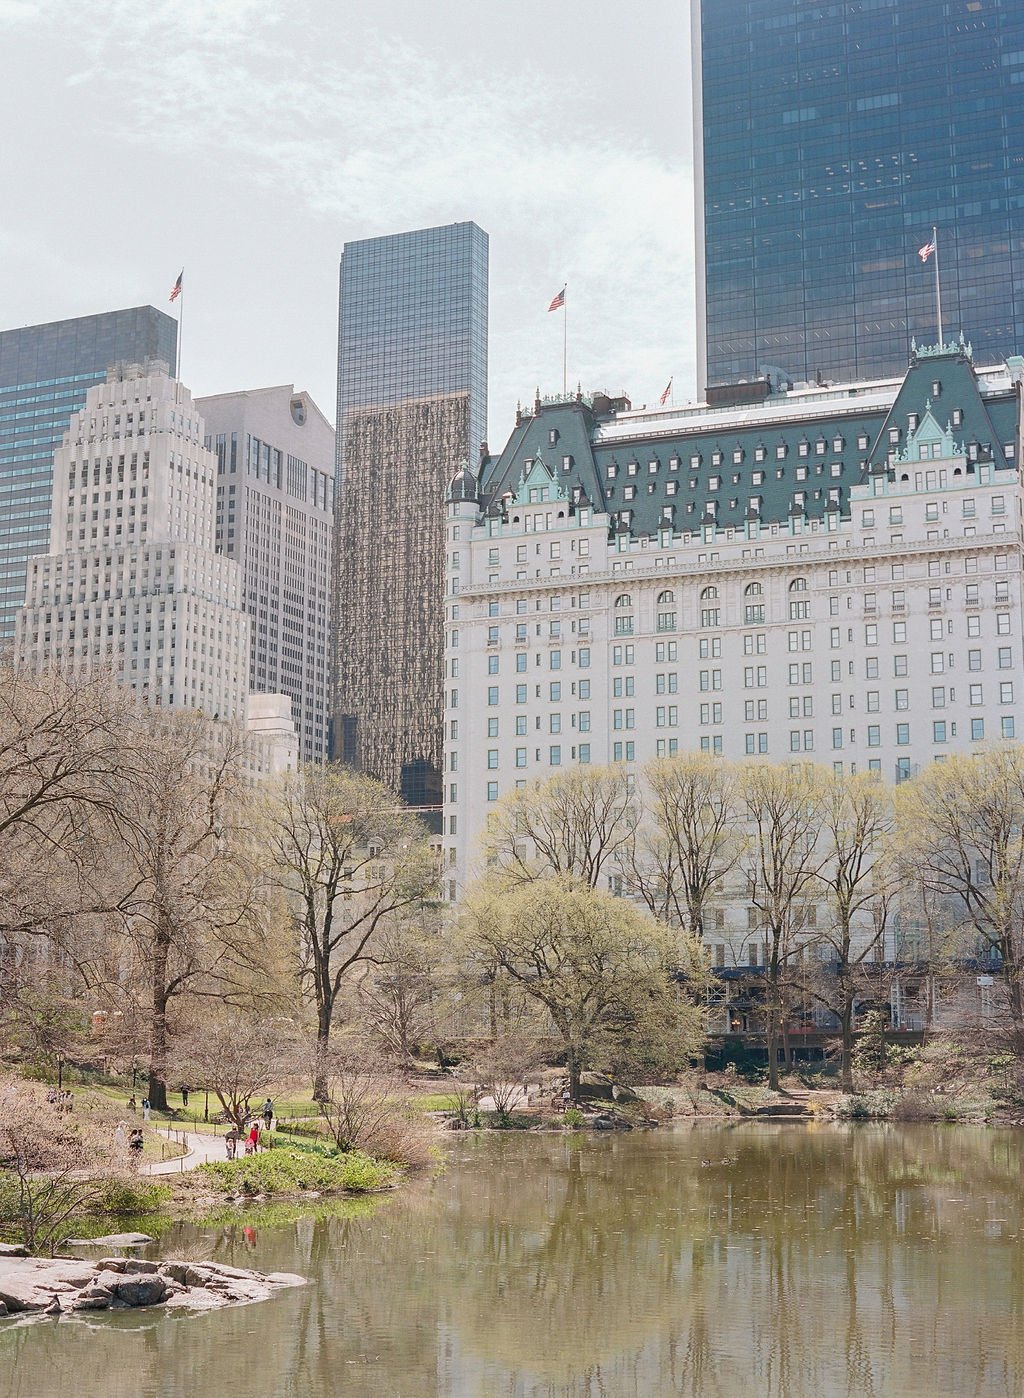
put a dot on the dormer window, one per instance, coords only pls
(552, 436)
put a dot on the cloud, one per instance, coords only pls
(372, 133)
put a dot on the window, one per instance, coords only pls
(555, 756)
(902, 734)
(492, 757)
(938, 662)
(976, 695)
(1006, 692)
(666, 613)
(871, 667)
(977, 729)
(520, 693)
(1006, 727)
(492, 695)
(492, 791)
(939, 731)
(902, 699)
(974, 660)
(899, 666)
(874, 736)
(1002, 623)
(837, 737)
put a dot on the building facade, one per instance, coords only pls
(275, 518)
(133, 581)
(45, 373)
(412, 405)
(829, 139)
(824, 575)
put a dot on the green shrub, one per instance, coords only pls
(573, 1118)
(288, 1170)
(130, 1197)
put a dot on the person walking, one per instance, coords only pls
(135, 1145)
(185, 1090)
(252, 1141)
(231, 1142)
(145, 1108)
(268, 1113)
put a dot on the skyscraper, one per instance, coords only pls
(829, 139)
(412, 405)
(132, 580)
(45, 373)
(275, 514)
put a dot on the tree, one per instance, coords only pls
(690, 839)
(238, 1056)
(783, 807)
(52, 1166)
(349, 860)
(574, 824)
(396, 994)
(857, 876)
(191, 914)
(501, 1068)
(598, 965)
(961, 824)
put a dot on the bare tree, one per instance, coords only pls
(690, 838)
(349, 859)
(52, 1166)
(396, 994)
(191, 913)
(573, 824)
(858, 878)
(783, 807)
(361, 1098)
(961, 824)
(238, 1056)
(501, 1069)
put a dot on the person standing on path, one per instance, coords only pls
(135, 1145)
(145, 1109)
(185, 1090)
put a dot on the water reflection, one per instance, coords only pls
(793, 1260)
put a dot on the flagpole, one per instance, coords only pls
(938, 288)
(565, 339)
(181, 320)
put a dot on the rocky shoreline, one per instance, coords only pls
(39, 1287)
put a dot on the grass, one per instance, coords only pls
(435, 1102)
(286, 1171)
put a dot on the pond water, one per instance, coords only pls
(788, 1261)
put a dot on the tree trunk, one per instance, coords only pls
(846, 1061)
(772, 1044)
(323, 1042)
(573, 1064)
(157, 1089)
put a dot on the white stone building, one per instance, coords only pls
(274, 453)
(829, 575)
(133, 581)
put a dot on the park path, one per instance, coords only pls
(200, 1149)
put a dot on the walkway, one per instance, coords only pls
(200, 1149)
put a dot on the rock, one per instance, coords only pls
(3, 1309)
(141, 1291)
(112, 1264)
(112, 1240)
(139, 1264)
(178, 1271)
(12, 1250)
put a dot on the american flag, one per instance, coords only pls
(558, 302)
(668, 390)
(926, 252)
(176, 288)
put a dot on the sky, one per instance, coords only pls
(248, 140)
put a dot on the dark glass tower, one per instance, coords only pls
(412, 405)
(829, 139)
(45, 371)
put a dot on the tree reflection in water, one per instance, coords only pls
(790, 1260)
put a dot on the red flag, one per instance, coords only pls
(668, 390)
(176, 288)
(558, 302)
(926, 252)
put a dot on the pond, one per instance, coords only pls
(789, 1261)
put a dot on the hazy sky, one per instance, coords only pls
(249, 139)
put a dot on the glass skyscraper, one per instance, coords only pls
(45, 371)
(829, 138)
(413, 322)
(412, 406)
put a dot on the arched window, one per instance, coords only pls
(709, 594)
(666, 616)
(798, 585)
(799, 608)
(753, 590)
(623, 621)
